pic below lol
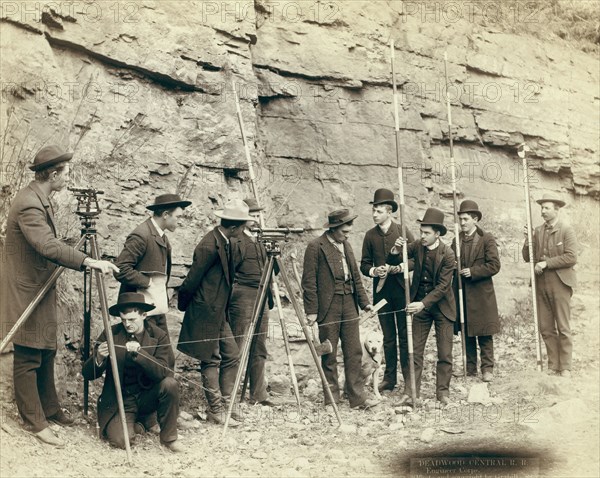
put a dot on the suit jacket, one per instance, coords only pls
(318, 282)
(31, 254)
(376, 247)
(444, 266)
(144, 251)
(204, 296)
(562, 250)
(479, 296)
(155, 359)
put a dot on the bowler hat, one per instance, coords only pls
(166, 201)
(551, 198)
(235, 210)
(339, 217)
(384, 196)
(434, 217)
(253, 205)
(49, 156)
(130, 299)
(468, 206)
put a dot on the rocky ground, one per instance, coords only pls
(524, 423)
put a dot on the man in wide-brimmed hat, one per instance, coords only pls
(147, 253)
(333, 292)
(31, 254)
(249, 259)
(388, 284)
(146, 371)
(432, 299)
(554, 254)
(480, 261)
(204, 295)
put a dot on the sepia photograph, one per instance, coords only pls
(300, 238)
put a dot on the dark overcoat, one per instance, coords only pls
(318, 282)
(31, 254)
(479, 297)
(155, 359)
(204, 296)
(443, 273)
(144, 251)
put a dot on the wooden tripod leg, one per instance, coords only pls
(259, 304)
(286, 341)
(111, 347)
(311, 346)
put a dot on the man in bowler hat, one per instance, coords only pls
(205, 295)
(145, 367)
(147, 250)
(333, 292)
(388, 284)
(31, 253)
(554, 254)
(432, 299)
(480, 261)
(249, 259)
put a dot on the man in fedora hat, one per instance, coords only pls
(31, 253)
(554, 254)
(249, 259)
(147, 251)
(433, 299)
(333, 292)
(480, 261)
(204, 295)
(388, 284)
(145, 371)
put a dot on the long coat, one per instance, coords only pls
(204, 296)
(479, 297)
(318, 281)
(155, 359)
(31, 254)
(144, 251)
(443, 273)
(562, 250)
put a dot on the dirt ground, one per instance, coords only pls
(531, 425)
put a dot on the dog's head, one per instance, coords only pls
(373, 344)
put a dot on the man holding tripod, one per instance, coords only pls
(31, 253)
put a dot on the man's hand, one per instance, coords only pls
(132, 346)
(382, 271)
(395, 270)
(525, 232)
(101, 353)
(466, 272)
(103, 266)
(398, 245)
(539, 267)
(311, 319)
(368, 308)
(415, 307)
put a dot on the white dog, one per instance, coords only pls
(372, 359)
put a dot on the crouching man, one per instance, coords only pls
(145, 363)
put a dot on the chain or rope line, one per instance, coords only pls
(263, 333)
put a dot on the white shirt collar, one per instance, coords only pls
(472, 232)
(161, 233)
(385, 227)
(434, 245)
(224, 236)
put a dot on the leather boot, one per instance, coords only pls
(216, 411)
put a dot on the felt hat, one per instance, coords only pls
(551, 198)
(130, 299)
(235, 210)
(166, 201)
(468, 206)
(384, 196)
(434, 217)
(339, 217)
(49, 156)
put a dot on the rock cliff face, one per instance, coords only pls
(142, 91)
